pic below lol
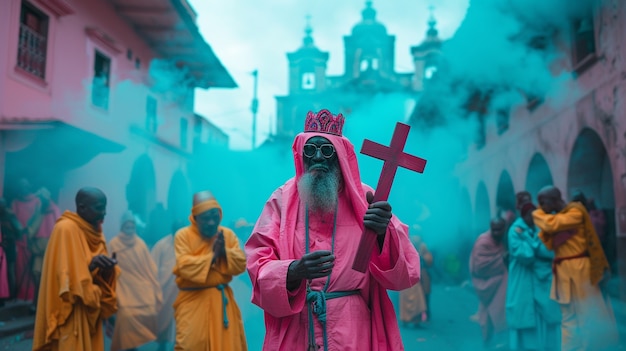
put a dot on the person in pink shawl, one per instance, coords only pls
(37, 214)
(489, 277)
(302, 247)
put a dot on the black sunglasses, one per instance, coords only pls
(327, 150)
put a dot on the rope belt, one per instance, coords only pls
(555, 264)
(317, 299)
(221, 288)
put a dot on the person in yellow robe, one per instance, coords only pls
(78, 280)
(579, 265)
(165, 260)
(138, 290)
(208, 255)
(414, 301)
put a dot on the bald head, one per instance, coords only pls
(522, 198)
(550, 199)
(202, 196)
(91, 206)
(88, 194)
(497, 228)
(550, 191)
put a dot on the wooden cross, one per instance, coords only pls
(394, 157)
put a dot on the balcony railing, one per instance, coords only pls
(31, 53)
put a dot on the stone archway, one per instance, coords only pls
(590, 171)
(505, 195)
(482, 215)
(538, 175)
(141, 188)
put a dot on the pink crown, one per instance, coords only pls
(324, 122)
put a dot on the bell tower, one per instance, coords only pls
(307, 66)
(427, 55)
(369, 50)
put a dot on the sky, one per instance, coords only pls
(248, 34)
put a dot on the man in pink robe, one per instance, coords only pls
(301, 274)
(489, 277)
(37, 214)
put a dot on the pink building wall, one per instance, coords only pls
(65, 95)
(596, 102)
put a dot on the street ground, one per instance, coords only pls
(450, 328)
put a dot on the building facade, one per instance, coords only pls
(578, 144)
(369, 70)
(101, 93)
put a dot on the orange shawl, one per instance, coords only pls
(597, 259)
(68, 287)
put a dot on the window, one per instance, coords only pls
(364, 65)
(583, 43)
(31, 50)
(101, 77)
(308, 81)
(502, 120)
(533, 101)
(430, 71)
(375, 64)
(151, 114)
(183, 133)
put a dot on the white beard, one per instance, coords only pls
(320, 190)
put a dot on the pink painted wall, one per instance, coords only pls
(65, 94)
(598, 102)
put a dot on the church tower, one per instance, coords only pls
(307, 84)
(307, 66)
(369, 50)
(427, 55)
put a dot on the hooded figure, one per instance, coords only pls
(138, 290)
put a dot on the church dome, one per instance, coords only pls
(368, 24)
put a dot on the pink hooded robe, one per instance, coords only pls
(365, 321)
(489, 277)
(24, 211)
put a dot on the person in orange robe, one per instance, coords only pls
(78, 280)
(579, 265)
(208, 255)
(414, 306)
(165, 260)
(138, 290)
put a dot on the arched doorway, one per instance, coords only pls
(483, 210)
(141, 189)
(538, 175)
(505, 195)
(590, 171)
